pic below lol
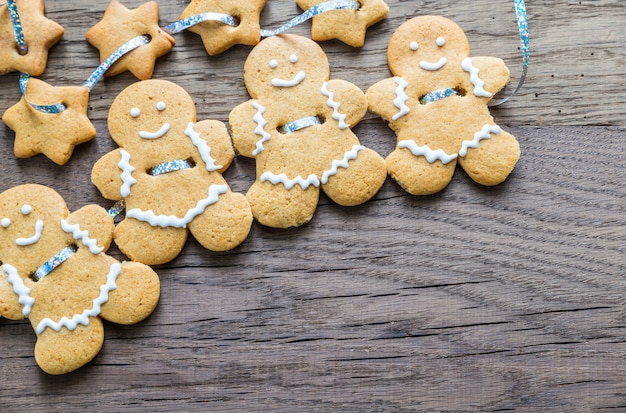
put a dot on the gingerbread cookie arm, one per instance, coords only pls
(347, 102)
(246, 128)
(487, 75)
(219, 149)
(10, 287)
(111, 173)
(91, 226)
(388, 99)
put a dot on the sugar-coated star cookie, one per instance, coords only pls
(120, 25)
(54, 135)
(40, 34)
(218, 37)
(346, 25)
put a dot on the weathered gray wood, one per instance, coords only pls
(474, 299)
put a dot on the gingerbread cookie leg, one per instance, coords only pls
(274, 205)
(417, 175)
(150, 245)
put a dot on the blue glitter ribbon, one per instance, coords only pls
(117, 208)
(47, 267)
(310, 13)
(171, 166)
(17, 26)
(184, 24)
(98, 74)
(437, 95)
(522, 25)
(301, 124)
(51, 109)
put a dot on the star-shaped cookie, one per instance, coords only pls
(120, 25)
(54, 135)
(348, 26)
(40, 34)
(218, 37)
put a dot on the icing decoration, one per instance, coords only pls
(430, 155)
(293, 58)
(155, 135)
(289, 183)
(83, 318)
(437, 95)
(160, 105)
(260, 128)
(58, 258)
(433, 66)
(127, 173)
(440, 41)
(134, 112)
(170, 166)
(349, 155)
(32, 239)
(26, 209)
(340, 117)
(484, 133)
(203, 148)
(401, 98)
(299, 77)
(165, 221)
(273, 64)
(301, 124)
(310, 13)
(17, 27)
(414, 45)
(5, 222)
(476, 81)
(19, 288)
(82, 236)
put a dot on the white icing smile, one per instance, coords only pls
(33, 239)
(299, 77)
(155, 135)
(433, 66)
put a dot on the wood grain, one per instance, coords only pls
(475, 299)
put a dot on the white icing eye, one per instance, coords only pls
(440, 41)
(293, 58)
(134, 112)
(160, 105)
(26, 209)
(273, 64)
(414, 46)
(5, 222)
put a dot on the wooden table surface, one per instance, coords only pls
(508, 298)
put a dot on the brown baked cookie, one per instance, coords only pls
(118, 26)
(168, 170)
(54, 135)
(437, 106)
(40, 34)
(297, 127)
(218, 37)
(348, 26)
(55, 272)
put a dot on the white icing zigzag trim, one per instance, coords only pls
(340, 117)
(127, 173)
(21, 290)
(203, 148)
(289, 183)
(484, 133)
(476, 81)
(94, 311)
(401, 98)
(165, 221)
(260, 128)
(83, 236)
(431, 155)
(349, 155)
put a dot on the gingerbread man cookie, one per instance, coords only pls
(168, 170)
(118, 26)
(54, 271)
(348, 25)
(39, 34)
(218, 37)
(437, 106)
(297, 127)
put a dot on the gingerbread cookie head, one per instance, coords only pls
(298, 128)
(55, 272)
(218, 37)
(39, 34)
(168, 170)
(437, 105)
